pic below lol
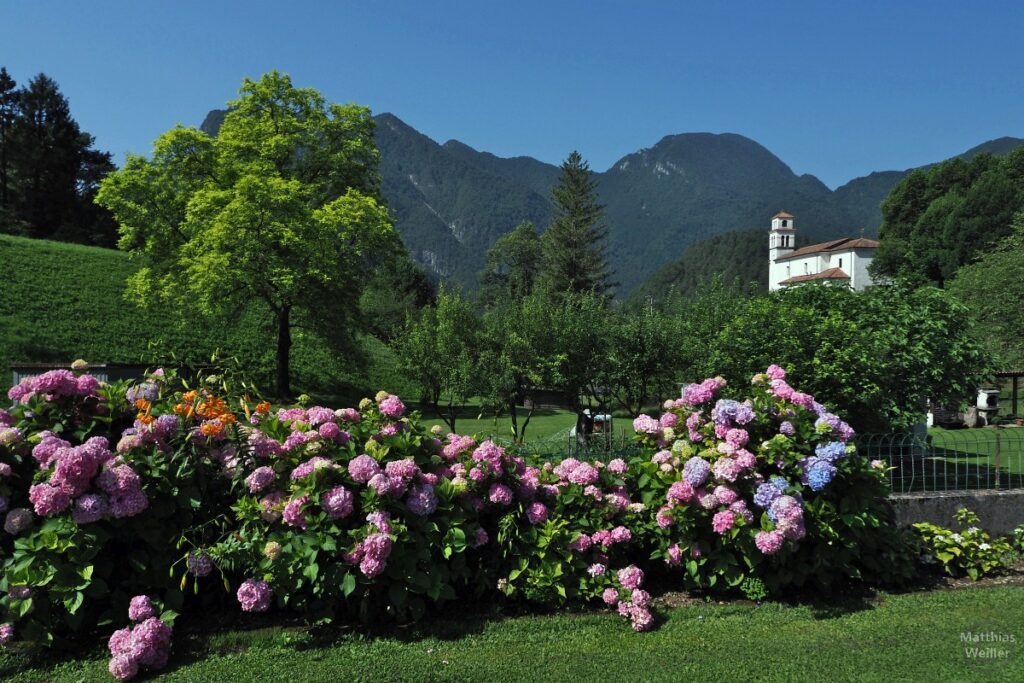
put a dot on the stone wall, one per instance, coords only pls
(1000, 511)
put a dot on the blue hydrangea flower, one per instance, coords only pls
(727, 412)
(766, 493)
(831, 451)
(696, 471)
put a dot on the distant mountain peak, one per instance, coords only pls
(451, 202)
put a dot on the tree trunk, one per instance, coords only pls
(284, 347)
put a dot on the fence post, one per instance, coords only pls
(998, 461)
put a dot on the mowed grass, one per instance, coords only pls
(60, 301)
(912, 637)
(547, 431)
(986, 446)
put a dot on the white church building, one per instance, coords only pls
(842, 262)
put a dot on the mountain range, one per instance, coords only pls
(451, 202)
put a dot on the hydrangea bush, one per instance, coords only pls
(202, 497)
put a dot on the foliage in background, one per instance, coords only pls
(876, 356)
(513, 265)
(281, 210)
(439, 349)
(939, 219)
(49, 169)
(740, 255)
(631, 364)
(971, 551)
(992, 288)
(392, 294)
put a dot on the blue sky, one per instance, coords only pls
(837, 89)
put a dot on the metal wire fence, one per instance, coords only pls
(950, 460)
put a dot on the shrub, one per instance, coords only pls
(120, 491)
(972, 551)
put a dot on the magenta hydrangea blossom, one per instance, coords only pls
(536, 512)
(392, 407)
(48, 500)
(141, 608)
(500, 494)
(254, 595)
(294, 514)
(363, 468)
(337, 502)
(768, 542)
(631, 577)
(260, 478)
(618, 466)
(349, 415)
(723, 521)
(645, 424)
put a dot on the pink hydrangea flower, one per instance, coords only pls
(645, 424)
(723, 521)
(392, 407)
(536, 512)
(618, 466)
(141, 608)
(254, 595)
(500, 494)
(631, 577)
(363, 468)
(768, 542)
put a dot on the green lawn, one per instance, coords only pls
(60, 301)
(547, 433)
(913, 637)
(983, 458)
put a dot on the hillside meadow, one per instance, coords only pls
(61, 301)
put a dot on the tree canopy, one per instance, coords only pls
(513, 264)
(992, 288)
(282, 209)
(49, 169)
(939, 219)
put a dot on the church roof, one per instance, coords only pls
(783, 214)
(830, 274)
(842, 244)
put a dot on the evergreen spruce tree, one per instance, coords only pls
(49, 170)
(8, 113)
(575, 245)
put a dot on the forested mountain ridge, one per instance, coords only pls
(451, 202)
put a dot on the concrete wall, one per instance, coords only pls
(1000, 511)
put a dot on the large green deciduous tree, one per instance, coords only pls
(439, 349)
(875, 357)
(512, 267)
(576, 243)
(939, 219)
(282, 209)
(992, 288)
(638, 365)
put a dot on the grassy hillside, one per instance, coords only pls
(59, 302)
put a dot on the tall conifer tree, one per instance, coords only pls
(575, 245)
